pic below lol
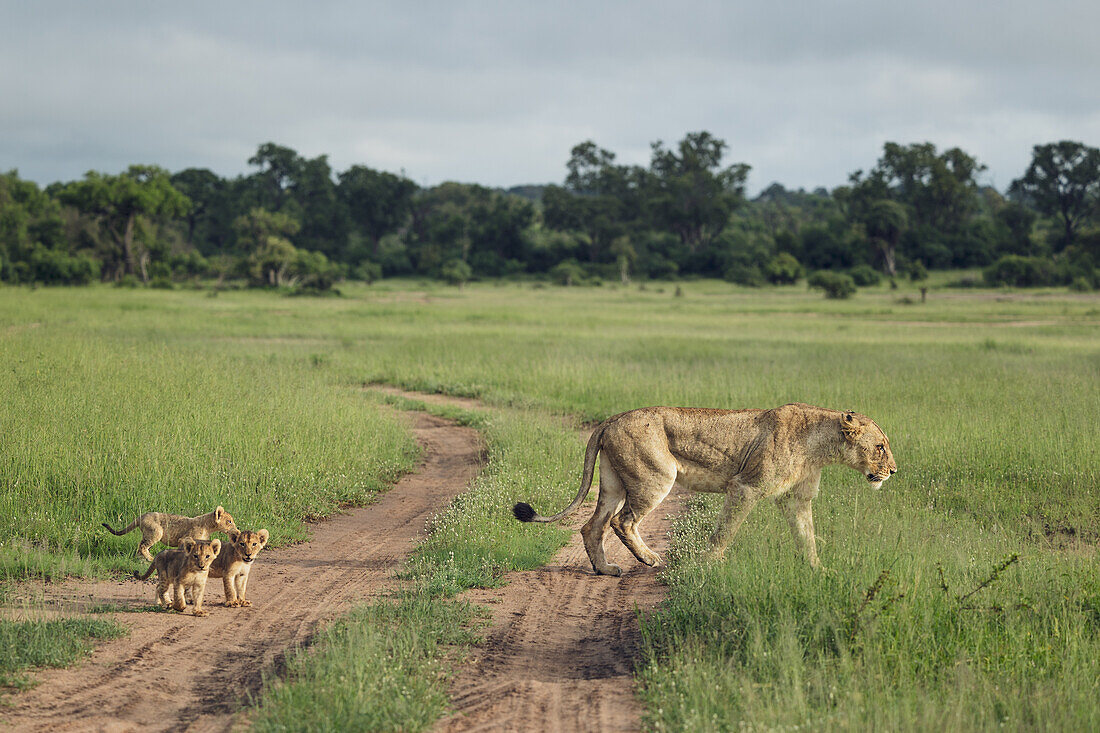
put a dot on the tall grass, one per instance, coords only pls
(989, 399)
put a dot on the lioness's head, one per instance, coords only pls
(248, 543)
(866, 448)
(200, 553)
(224, 520)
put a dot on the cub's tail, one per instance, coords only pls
(129, 528)
(524, 512)
(139, 576)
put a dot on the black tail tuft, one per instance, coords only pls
(523, 511)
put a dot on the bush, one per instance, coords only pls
(1080, 285)
(567, 272)
(368, 272)
(835, 284)
(745, 275)
(917, 271)
(1022, 272)
(783, 269)
(456, 272)
(865, 275)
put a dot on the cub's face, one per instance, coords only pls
(868, 449)
(200, 553)
(225, 521)
(248, 544)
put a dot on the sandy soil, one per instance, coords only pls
(176, 671)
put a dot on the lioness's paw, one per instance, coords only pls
(614, 570)
(246, 603)
(653, 561)
(202, 613)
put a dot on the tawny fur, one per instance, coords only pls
(182, 573)
(748, 455)
(235, 562)
(171, 528)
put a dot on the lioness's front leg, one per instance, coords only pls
(799, 513)
(740, 500)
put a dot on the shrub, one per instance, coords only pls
(368, 272)
(835, 284)
(917, 271)
(567, 272)
(745, 275)
(1080, 285)
(783, 269)
(1022, 272)
(865, 275)
(456, 272)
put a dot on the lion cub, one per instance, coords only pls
(171, 528)
(234, 563)
(183, 571)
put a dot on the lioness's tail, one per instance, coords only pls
(526, 513)
(139, 576)
(129, 528)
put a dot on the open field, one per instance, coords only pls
(118, 401)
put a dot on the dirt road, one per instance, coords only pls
(179, 672)
(557, 656)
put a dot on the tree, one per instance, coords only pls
(885, 221)
(690, 193)
(118, 201)
(377, 202)
(207, 193)
(625, 256)
(1062, 180)
(279, 168)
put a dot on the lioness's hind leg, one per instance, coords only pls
(595, 529)
(643, 500)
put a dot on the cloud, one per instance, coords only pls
(498, 93)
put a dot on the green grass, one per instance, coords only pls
(989, 398)
(379, 668)
(26, 645)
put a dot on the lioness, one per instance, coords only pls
(234, 563)
(171, 528)
(184, 571)
(748, 455)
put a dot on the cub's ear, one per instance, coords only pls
(216, 546)
(218, 513)
(234, 535)
(849, 426)
(263, 537)
(187, 544)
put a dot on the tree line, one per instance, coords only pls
(294, 222)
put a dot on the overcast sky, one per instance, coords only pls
(498, 93)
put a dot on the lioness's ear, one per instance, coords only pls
(263, 537)
(216, 546)
(849, 426)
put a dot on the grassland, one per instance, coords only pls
(122, 399)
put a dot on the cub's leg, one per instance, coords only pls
(162, 591)
(228, 586)
(180, 604)
(799, 513)
(150, 535)
(198, 588)
(594, 530)
(740, 500)
(242, 582)
(644, 497)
